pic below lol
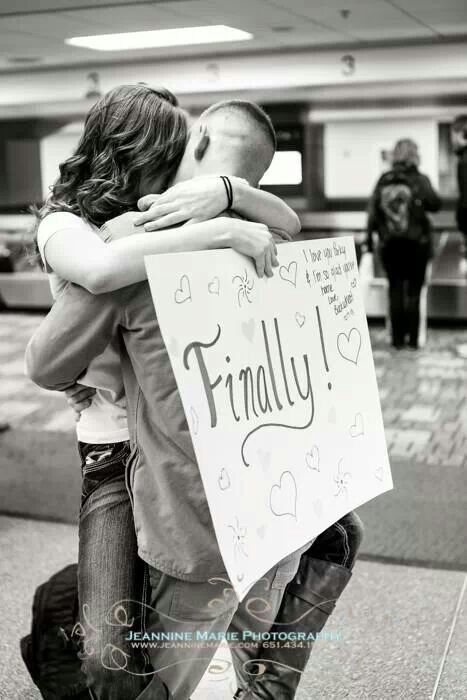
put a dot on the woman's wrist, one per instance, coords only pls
(221, 234)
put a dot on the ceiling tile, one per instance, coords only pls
(311, 23)
(365, 17)
(55, 27)
(121, 19)
(35, 6)
(447, 17)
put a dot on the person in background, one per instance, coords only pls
(459, 143)
(397, 213)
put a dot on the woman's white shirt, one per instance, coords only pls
(105, 421)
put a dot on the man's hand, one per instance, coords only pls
(256, 241)
(199, 199)
(79, 397)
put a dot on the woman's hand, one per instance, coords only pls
(199, 199)
(79, 397)
(256, 241)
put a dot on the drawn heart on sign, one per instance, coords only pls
(183, 293)
(300, 319)
(214, 286)
(283, 496)
(349, 344)
(379, 473)
(357, 428)
(312, 458)
(261, 531)
(248, 329)
(194, 420)
(332, 417)
(224, 480)
(289, 273)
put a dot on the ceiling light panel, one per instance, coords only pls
(184, 36)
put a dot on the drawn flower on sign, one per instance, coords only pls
(245, 287)
(342, 480)
(239, 534)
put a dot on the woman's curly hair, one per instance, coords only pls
(133, 134)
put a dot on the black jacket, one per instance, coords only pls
(425, 196)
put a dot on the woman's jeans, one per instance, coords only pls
(111, 577)
(112, 583)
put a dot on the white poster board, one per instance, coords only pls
(278, 384)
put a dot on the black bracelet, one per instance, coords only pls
(228, 191)
(231, 191)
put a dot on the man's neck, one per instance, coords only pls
(225, 168)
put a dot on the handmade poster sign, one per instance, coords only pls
(278, 384)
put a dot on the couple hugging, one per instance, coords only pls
(148, 556)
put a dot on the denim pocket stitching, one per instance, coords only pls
(119, 457)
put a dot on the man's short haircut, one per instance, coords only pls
(460, 124)
(252, 111)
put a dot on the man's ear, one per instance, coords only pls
(202, 142)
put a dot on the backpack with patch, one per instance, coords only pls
(400, 213)
(50, 652)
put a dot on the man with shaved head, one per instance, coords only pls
(190, 591)
(241, 138)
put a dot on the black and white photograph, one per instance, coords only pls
(233, 350)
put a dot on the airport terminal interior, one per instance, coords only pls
(342, 81)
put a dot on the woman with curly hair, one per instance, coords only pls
(133, 141)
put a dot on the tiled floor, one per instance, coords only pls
(399, 632)
(404, 629)
(424, 398)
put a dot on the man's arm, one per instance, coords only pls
(204, 198)
(77, 329)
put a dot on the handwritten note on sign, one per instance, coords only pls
(279, 390)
